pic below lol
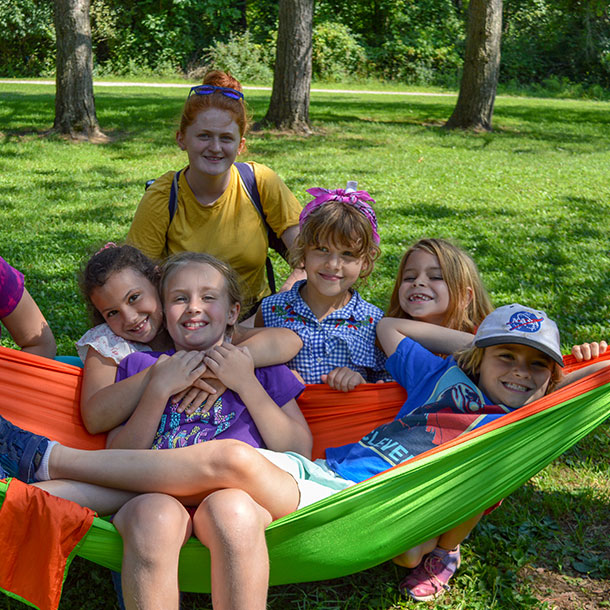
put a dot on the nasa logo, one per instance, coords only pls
(524, 321)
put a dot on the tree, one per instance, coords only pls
(289, 105)
(475, 103)
(74, 101)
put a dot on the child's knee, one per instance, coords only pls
(233, 462)
(153, 521)
(230, 515)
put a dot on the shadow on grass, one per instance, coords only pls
(566, 532)
(156, 115)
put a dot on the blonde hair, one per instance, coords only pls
(337, 223)
(177, 261)
(470, 359)
(460, 272)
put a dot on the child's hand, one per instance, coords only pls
(202, 394)
(589, 351)
(232, 364)
(343, 379)
(172, 374)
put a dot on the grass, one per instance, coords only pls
(530, 201)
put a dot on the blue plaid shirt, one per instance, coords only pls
(346, 337)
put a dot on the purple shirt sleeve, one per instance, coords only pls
(280, 383)
(11, 288)
(136, 362)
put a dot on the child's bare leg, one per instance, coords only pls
(447, 541)
(412, 557)
(102, 500)
(198, 469)
(154, 528)
(233, 526)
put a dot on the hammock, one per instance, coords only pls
(361, 526)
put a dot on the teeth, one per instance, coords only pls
(194, 325)
(517, 387)
(140, 325)
(419, 297)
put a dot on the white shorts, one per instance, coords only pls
(314, 479)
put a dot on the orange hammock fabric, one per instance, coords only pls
(43, 396)
(39, 535)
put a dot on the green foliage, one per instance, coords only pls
(28, 38)
(242, 57)
(562, 39)
(400, 40)
(421, 42)
(148, 36)
(336, 52)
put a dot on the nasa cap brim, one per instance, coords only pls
(522, 325)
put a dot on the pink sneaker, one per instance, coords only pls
(429, 579)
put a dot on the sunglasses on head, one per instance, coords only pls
(209, 89)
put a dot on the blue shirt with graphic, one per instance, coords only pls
(442, 403)
(345, 337)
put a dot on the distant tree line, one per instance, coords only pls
(411, 41)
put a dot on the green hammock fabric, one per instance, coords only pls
(375, 520)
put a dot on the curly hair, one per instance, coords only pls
(108, 260)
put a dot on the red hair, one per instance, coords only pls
(197, 103)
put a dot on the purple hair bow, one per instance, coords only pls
(361, 200)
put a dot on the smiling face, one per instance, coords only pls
(423, 294)
(197, 308)
(130, 305)
(331, 270)
(514, 375)
(212, 142)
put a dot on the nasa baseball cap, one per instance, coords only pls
(519, 324)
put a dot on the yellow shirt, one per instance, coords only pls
(230, 229)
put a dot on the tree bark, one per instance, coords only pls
(74, 101)
(289, 105)
(475, 104)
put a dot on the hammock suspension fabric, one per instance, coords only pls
(407, 505)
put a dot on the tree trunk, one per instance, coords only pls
(74, 101)
(475, 104)
(289, 105)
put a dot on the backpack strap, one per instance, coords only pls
(246, 173)
(248, 179)
(172, 203)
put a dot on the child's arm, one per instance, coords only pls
(105, 404)
(435, 338)
(269, 346)
(583, 352)
(29, 329)
(282, 429)
(168, 375)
